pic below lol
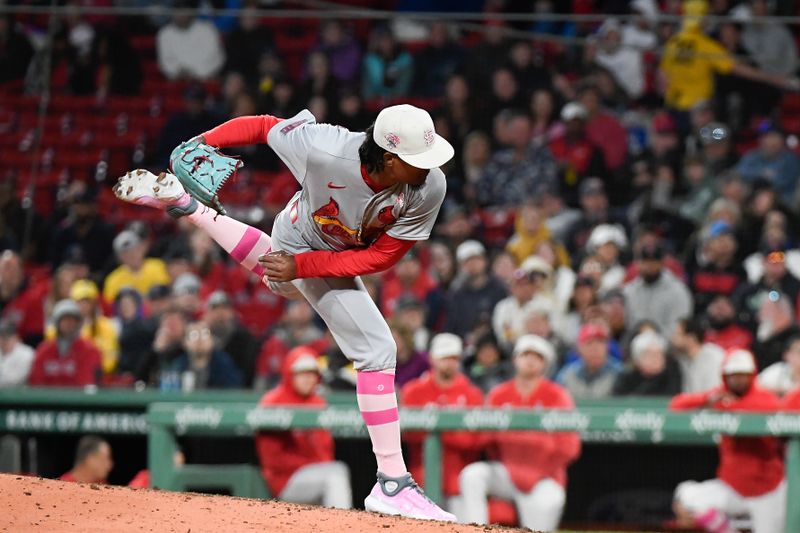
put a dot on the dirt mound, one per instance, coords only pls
(36, 504)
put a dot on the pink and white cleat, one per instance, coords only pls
(164, 191)
(402, 496)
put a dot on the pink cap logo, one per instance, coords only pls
(392, 139)
(429, 137)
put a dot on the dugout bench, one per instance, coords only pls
(167, 421)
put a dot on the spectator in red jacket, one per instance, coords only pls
(750, 476)
(603, 128)
(527, 467)
(93, 461)
(298, 465)
(724, 330)
(444, 385)
(577, 156)
(21, 301)
(67, 360)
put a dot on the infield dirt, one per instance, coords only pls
(31, 504)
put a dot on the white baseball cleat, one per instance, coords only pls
(142, 187)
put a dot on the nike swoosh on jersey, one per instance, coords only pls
(332, 186)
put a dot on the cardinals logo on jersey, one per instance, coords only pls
(327, 218)
(386, 216)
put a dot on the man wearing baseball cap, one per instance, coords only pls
(750, 476)
(593, 375)
(298, 465)
(366, 198)
(475, 298)
(527, 467)
(66, 360)
(445, 384)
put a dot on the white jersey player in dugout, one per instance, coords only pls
(366, 198)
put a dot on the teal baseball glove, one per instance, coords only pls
(203, 170)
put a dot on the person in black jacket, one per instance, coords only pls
(135, 332)
(474, 293)
(201, 365)
(653, 373)
(230, 336)
(166, 348)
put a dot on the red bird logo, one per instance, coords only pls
(326, 217)
(386, 216)
(331, 209)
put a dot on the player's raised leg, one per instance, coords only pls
(244, 243)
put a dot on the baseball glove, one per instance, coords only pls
(203, 170)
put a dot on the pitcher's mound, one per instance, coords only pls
(36, 504)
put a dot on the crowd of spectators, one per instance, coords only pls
(640, 225)
(621, 213)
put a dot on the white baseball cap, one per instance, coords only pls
(305, 363)
(605, 233)
(572, 111)
(534, 263)
(739, 361)
(407, 131)
(537, 344)
(469, 249)
(446, 345)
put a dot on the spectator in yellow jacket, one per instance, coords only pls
(136, 270)
(691, 59)
(530, 231)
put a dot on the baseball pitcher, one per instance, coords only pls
(366, 198)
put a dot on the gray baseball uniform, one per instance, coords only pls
(336, 210)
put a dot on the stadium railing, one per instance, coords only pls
(164, 416)
(633, 424)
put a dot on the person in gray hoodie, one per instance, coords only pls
(656, 294)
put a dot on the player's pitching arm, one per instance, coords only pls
(379, 256)
(240, 131)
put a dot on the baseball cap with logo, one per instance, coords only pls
(408, 132)
(446, 345)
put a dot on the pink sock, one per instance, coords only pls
(244, 243)
(378, 405)
(714, 522)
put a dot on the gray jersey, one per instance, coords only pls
(336, 209)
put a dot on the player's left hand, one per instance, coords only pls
(278, 266)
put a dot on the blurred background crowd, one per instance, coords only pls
(625, 173)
